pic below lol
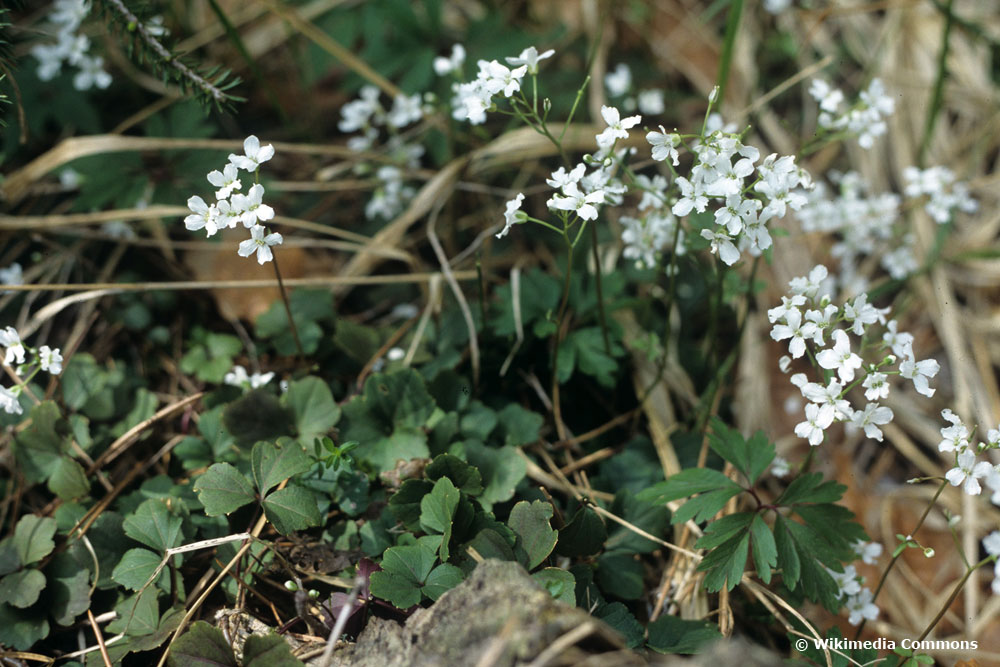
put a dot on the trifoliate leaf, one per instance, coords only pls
(257, 416)
(22, 588)
(670, 634)
(811, 488)
(135, 568)
(466, 478)
(502, 469)
(535, 537)
(724, 565)
(413, 563)
(292, 508)
(723, 529)
(202, 646)
(405, 503)
(269, 650)
(274, 463)
(750, 457)
(312, 405)
(223, 489)
(437, 510)
(558, 582)
(153, 525)
(705, 505)
(33, 538)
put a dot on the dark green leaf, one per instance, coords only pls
(491, 544)
(268, 651)
(413, 563)
(519, 425)
(202, 645)
(723, 529)
(765, 553)
(442, 579)
(724, 564)
(153, 525)
(257, 416)
(292, 508)
(69, 480)
(20, 629)
(558, 582)
(273, 464)
(223, 489)
(10, 559)
(788, 556)
(650, 517)
(670, 634)
(530, 521)
(466, 478)
(70, 596)
(760, 454)
(135, 568)
(810, 488)
(621, 619)
(502, 469)
(22, 588)
(584, 535)
(477, 421)
(437, 510)
(687, 483)
(395, 588)
(620, 575)
(705, 506)
(33, 538)
(138, 614)
(405, 503)
(40, 447)
(311, 402)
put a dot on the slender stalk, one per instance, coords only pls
(938, 95)
(288, 306)
(600, 290)
(556, 411)
(892, 563)
(732, 26)
(951, 598)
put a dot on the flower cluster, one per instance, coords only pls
(70, 47)
(618, 84)
(11, 275)
(807, 319)
(991, 544)
(473, 99)
(367, 114)
(44, 358)
(858, 599)
(233, 207)
(944, 193)
(238, 377)
(865, 119)
(968, 470)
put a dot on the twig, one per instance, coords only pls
(100, 638)
(342, 617)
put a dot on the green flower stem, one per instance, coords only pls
(288, 307)
(954, 594)
(892, 563)
(600, 290)
(556, 411)
(934, 109)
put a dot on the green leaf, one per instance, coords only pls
(308, 307)
(519, 425)
(313, 408)
(40, 447)
(621, 619)
(135, 568)
(620, 575)
(491, 544)
(152, 524)
(584, 535)
(69, 480)
(138, 614)
(413, 562)
(143, 407)
(396, 589)
(223, 489)
(670, 634)
(534, 534)
(705, 506)
(478, 421)
(723, 529)
(686, 483)
(10, 559)
(273, 464)
(21, 629)
(292, 508)
(765, 553)
(591, 357)
(33, 538)
(202, 645)
(442, 579)
(466, 478)
(810, 488)
(257, 416)
(211, 357)
(502, 469)
(724, 565)
(788, 556)
(405, 503)
(271, 650)
(760, 454)
(653, 518)
(437, 511)
(389, 401)
(558, 582)
(22, 589)
(70, 596)
(81, 378)
(836, 526)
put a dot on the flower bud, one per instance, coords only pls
(291, 586)
(713, 96)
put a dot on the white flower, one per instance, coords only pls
(829, 98)
(50, 359)
(498, 78)
(238, 377)
(861, 606)
(817, 421)
(453, 63)
(996, 578)
(873, 416)
(692, 197)
(992, 479)
(722, 245)
(991, 543)
(10, 339)
(395, 354)
(840, 357)
(876, 386)
(226, 180)
(405, 110)
(619, 81)
(787, 304)
(251, 208)
(254, 154)
(91, 74)
(651, 102)
(561, 178)
(9, 402)
(793, 328)
(11, 275)
(513, 214)
(202, 216)
(900, 341)
(868, 551)
(259, 243)
(809, 286)
(617, 128)
(664, 145)
(920, 372)
(955, 438)
(529, 58)
(780, 467)
(860, 313)
(967, 472)
(574, 200)
(847, 581)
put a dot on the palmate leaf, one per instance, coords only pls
(751, 457)
(802, 553)
(715, 490)
(724, 564)
(273, 464)
(810, 488)
(223, 489)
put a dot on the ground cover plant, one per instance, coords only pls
(308, 308)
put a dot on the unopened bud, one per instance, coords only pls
(291, 586)
(929, 552)
(713, 96)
